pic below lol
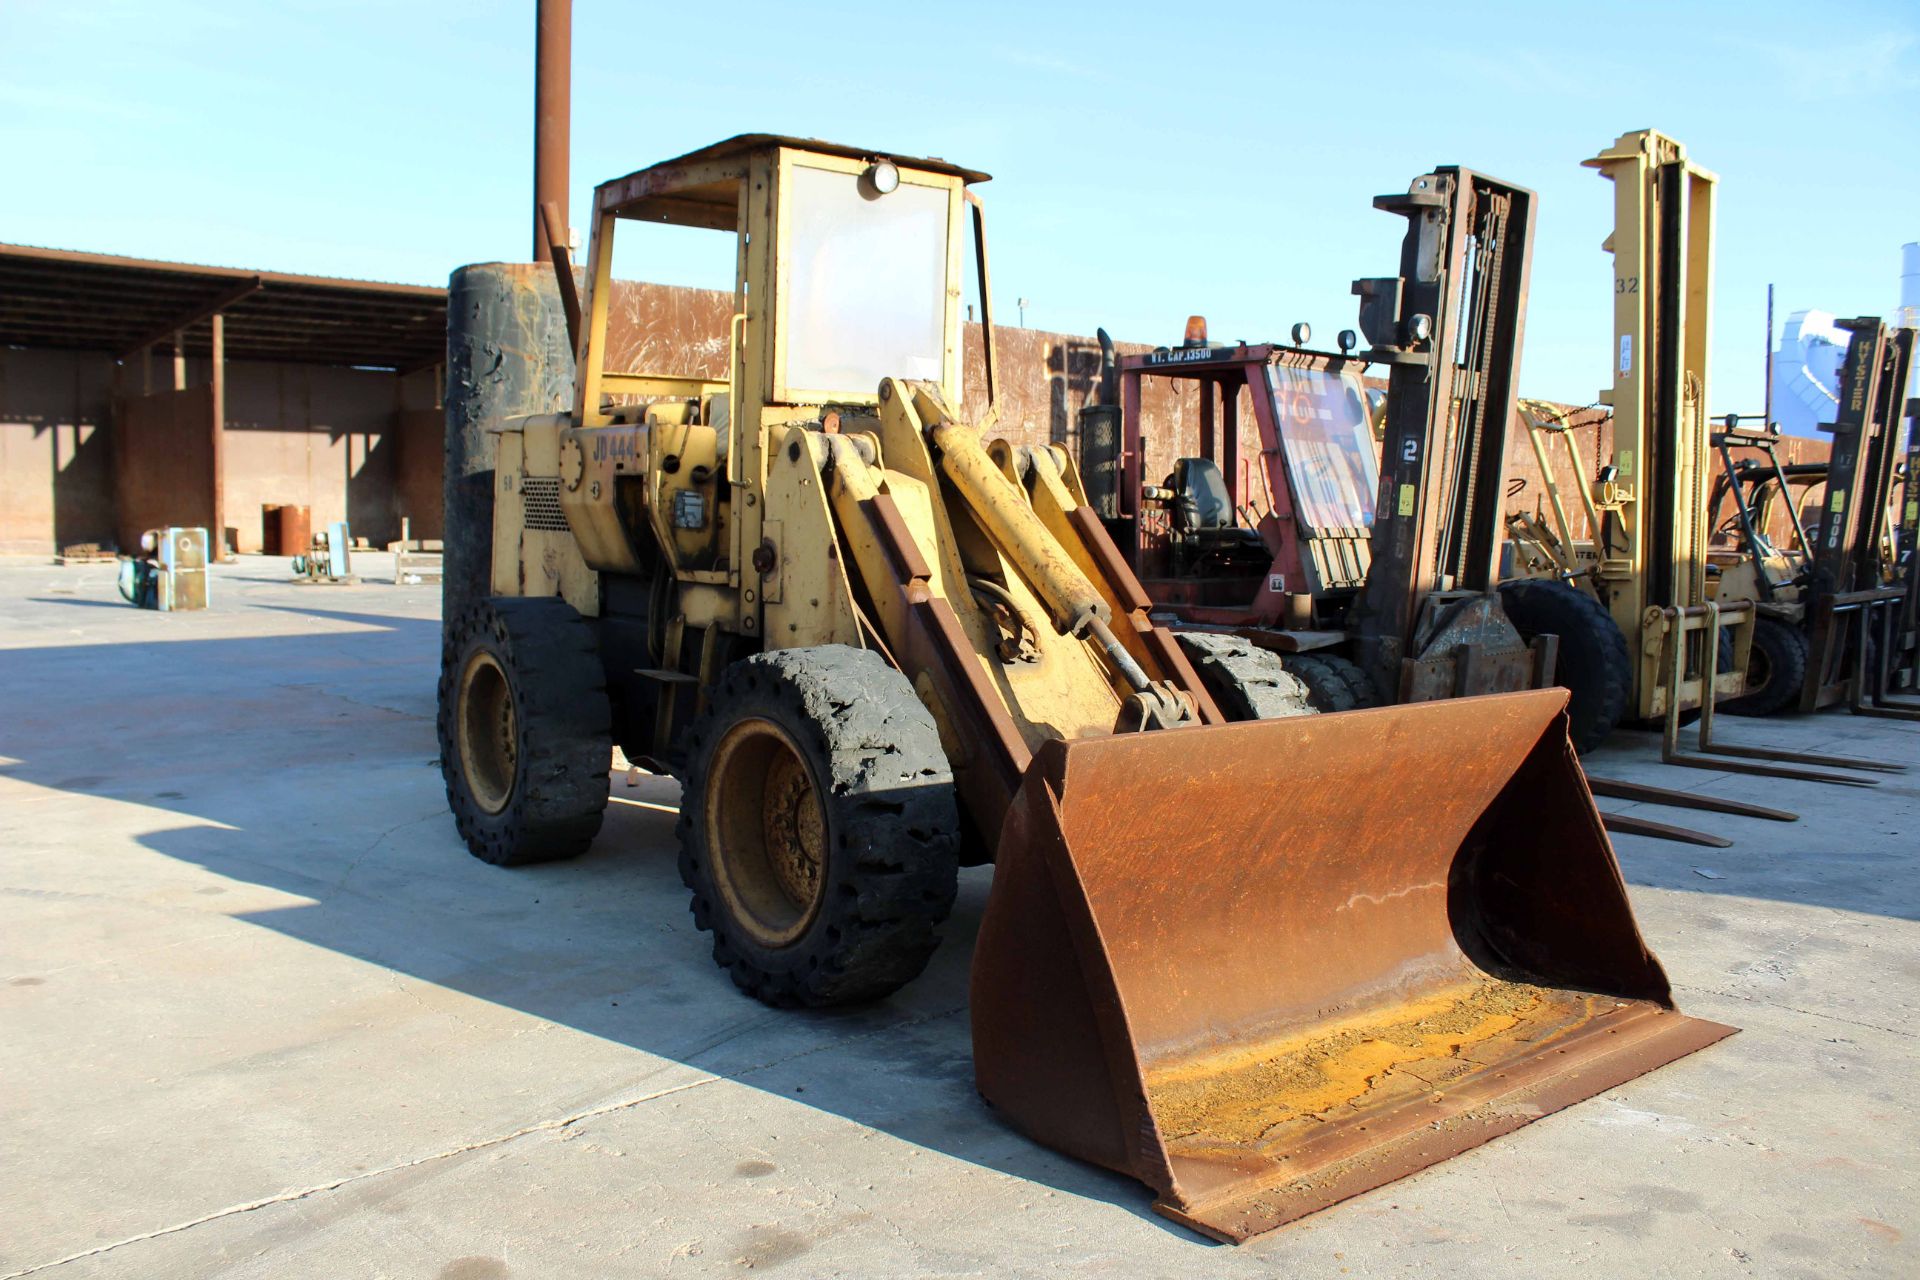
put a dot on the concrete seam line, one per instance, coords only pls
(284, 1197)
(1766, 1003)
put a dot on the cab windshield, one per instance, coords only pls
(866, 287)
(1329, 445)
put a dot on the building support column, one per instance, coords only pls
(219, 531)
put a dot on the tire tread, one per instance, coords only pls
(551, 657)
(894, 856)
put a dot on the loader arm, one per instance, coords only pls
(947, 548)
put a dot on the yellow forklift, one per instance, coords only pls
(1833, 611)
(1648, 560)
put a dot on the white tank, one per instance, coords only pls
(1910, 300)
(1806, 373)
(1910, 284)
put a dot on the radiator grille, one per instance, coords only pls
(540, 503)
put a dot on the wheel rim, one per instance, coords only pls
(767, 832)
(489, 734)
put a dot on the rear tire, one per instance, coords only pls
(1329, 670)
(1333, 683)
(1248, 682)
(1593, 664)
(525, 730)
(819, 830)
(1776, 669)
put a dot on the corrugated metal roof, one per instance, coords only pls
(103, 302)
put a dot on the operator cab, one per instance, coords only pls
(1294, 520)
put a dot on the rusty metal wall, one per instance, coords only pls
(56, 465)
(163, 462)
(419, 466)
(308, 435)
(320, 437)
(1045, 378)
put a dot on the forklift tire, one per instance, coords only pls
(1247, 682)
(1333, 683)
(819, 830)
(1593, 664)
(525, 730)
(1776, 669)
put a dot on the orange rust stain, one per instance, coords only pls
(1234, 1096)
(1888, 1233)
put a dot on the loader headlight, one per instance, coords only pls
(884, 177)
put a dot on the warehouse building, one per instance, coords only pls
(136, 393)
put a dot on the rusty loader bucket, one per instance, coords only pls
(1277, 965)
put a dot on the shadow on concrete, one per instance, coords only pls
(315, 755)
(81, 602)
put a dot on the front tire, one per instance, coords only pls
(1593, 665)
(818, 827)
(525, 730)
(1776, 669)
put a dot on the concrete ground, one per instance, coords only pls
(261, 1015)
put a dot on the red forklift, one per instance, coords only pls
(1373, 588)
(1282, 565)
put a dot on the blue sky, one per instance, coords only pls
(1149, 160)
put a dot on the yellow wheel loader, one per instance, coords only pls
(1260, 966)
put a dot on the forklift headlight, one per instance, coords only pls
(884, 177)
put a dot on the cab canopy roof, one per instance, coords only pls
(701, 188)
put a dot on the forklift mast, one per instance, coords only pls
(1908, 548)
(1654, 554)
(1448, 328)
(1855, 592)
(1866, 452)
(1651, 540)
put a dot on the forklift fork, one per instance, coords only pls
(1706, 618)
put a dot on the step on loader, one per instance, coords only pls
(1260, 966)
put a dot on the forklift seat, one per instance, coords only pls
(1201, 508)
